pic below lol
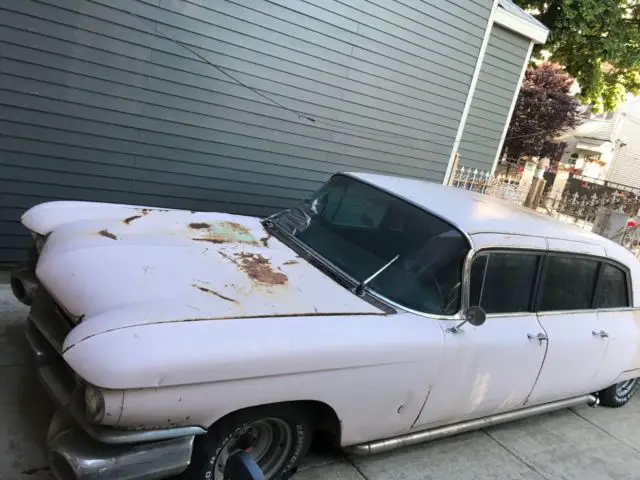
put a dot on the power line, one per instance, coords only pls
(314, 119)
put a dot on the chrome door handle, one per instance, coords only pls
(541, 337)
(600, 333)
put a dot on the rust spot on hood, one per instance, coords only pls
(199, 226)
(213, 292)
(260, 270)
(291, 262)
(107, 234)
(131, 219)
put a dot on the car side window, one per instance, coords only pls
(568, 284)
(503, 282)
(612, 291)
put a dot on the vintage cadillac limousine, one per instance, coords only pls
(385, 311)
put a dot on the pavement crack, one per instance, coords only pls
(516, 456)
(355, 466)
(604, 431)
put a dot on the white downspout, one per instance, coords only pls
(472, 91)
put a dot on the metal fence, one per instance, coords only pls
(611, 214)
(509, 188)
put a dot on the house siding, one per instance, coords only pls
(96, 105)
(502, 67)
(625, 168)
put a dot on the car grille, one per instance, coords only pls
(47, 328)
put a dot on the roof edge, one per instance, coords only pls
(512, 17)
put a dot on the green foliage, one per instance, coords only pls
(598, 43)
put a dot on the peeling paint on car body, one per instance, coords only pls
(158, 261)
(221, 232)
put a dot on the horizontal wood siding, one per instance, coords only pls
(625, 168)
(505, 57)
(96, 103)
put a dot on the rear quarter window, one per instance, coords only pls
(613, 289)
(569, 283)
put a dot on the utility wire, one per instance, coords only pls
(314, 119)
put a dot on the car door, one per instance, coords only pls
(576, 349)
(492, 367)
(617, 327)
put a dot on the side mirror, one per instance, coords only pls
(475, 316)
(242, 466)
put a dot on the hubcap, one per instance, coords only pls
(268, 441)
(624, 388)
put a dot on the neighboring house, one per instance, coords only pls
(606, 146)
(100, 100)
(625, 167)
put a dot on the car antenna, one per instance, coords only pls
(363, 285)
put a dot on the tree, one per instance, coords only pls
(545, 108)
(597, 41)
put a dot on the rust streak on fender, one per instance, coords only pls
(131, 219)
(107, 234)
(213, 292)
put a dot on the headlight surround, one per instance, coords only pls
(94, 406)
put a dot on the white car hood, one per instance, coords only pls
(174, 265)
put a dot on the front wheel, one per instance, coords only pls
(276, 437)
(619, 394)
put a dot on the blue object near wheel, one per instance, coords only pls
(242, 466)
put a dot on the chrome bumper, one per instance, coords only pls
(79, 450)
(74, 455)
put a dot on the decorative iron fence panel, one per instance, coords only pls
(581, 208)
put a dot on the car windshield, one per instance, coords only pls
(360, 228)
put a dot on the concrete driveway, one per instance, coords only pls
(581, 444)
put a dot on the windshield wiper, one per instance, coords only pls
(360, 289)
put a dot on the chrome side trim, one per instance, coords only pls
(469, 425)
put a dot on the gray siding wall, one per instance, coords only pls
(95, 105)
(498, 83)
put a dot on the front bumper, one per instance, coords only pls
(79, 450)
(73, 454)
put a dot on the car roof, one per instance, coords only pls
(475, 213)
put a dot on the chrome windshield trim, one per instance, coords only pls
(457, 316)
(270, 222)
